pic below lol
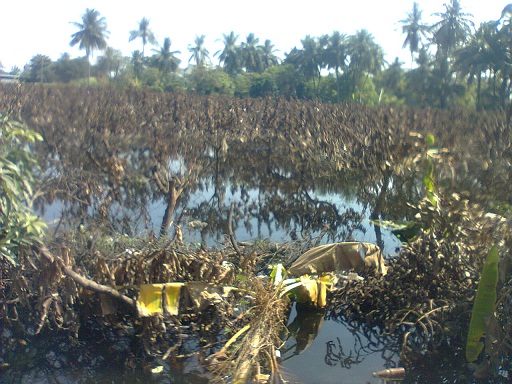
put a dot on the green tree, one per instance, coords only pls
(207, 81)
(449, 34)
(418, 90)
(230, 56)
(414, 30)
(39, 69)
(110, 63)
(336, 57)
(505, 38)
(198, 52)
(66, 69)
(366, 58)
(251, 56)
(92, 35)
(453, 29)
(144, 33)
(309, 60)
(137, 63)
(268, 56)
(391, 84)
(18, 226)
(165, 59)
(479, 55)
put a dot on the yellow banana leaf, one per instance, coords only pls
(307, 292)
(484, 305)
(172, 293)
(158, 298)
(150, 299)
(321, 300)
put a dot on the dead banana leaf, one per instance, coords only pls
(203, 294)
(338, 257)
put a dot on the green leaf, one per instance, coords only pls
(484, 305)
(429, 139)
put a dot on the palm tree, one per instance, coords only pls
(230, 54)
(199, 53)
(366, 56)
(453, 29)
(92, 35)
(478, 56)
(307, 60)
(268, 57)
(505, 36)
(137, 62)
(336, 56)
(414, 30)
(144, 33)
(251, 54)
(419, 80)
(165, 59)
(449, 34)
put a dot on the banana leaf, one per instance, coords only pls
(158, 298)
(338, 257)
(483, 306)
(171, 298)
(150, 299)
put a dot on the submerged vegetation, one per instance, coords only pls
(108, 156)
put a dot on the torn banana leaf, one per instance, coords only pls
(204, 294)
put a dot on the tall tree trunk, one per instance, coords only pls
(375, 215)
(171, 199)
(479, 92)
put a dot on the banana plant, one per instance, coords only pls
(303, 289)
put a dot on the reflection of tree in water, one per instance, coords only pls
(271, 188)
(307, 324)
(302, 331)
(335, 355)
(366, 341)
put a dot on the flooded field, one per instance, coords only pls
(156, 190)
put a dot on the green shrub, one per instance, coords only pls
(18, 226)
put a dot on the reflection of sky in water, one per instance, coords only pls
(257, 230)
(310, 365)
(263, 231)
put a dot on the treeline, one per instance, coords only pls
(455, 64)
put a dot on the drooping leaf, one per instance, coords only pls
(278, 274)
(483, 306)
(150, 299)
(172, 294)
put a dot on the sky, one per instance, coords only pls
(34, 27)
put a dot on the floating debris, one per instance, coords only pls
(391, 373)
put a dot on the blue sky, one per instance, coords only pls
(44, 27)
